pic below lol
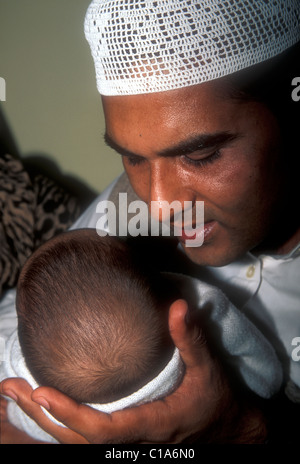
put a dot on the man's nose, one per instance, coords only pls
(167, 191)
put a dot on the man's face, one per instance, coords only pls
(198, 144)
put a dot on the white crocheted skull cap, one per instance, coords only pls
(144, 46)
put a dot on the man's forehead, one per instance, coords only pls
(167, 107)
(178, 115)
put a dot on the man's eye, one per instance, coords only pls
(133, 160)
(200, 159)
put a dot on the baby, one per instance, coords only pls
(93, 323)
(92, 320)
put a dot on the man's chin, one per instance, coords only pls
(210, 255)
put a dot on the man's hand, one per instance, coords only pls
(202, 405)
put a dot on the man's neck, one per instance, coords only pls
(290, 244)
(279, 244)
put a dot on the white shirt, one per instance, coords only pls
(267, 290)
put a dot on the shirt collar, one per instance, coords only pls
(294, 253)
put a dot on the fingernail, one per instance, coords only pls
(10, 394)
(42, 402)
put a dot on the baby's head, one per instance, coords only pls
(92, 319)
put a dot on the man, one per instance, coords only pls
(190, 124)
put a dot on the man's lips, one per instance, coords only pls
(191, 232)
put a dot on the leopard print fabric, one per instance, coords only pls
(31, 212)
(55, 210)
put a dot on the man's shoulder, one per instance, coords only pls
(89, 217)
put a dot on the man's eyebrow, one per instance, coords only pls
(199, 142)
(192, 144)
(112, 144)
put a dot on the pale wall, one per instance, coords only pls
(52, 104)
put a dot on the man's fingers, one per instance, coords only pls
(21, 392)
(188, 338)
(146, 423)
(126, 426)
(67, 411)
(3, 409)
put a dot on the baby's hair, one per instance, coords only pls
(91, 321)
